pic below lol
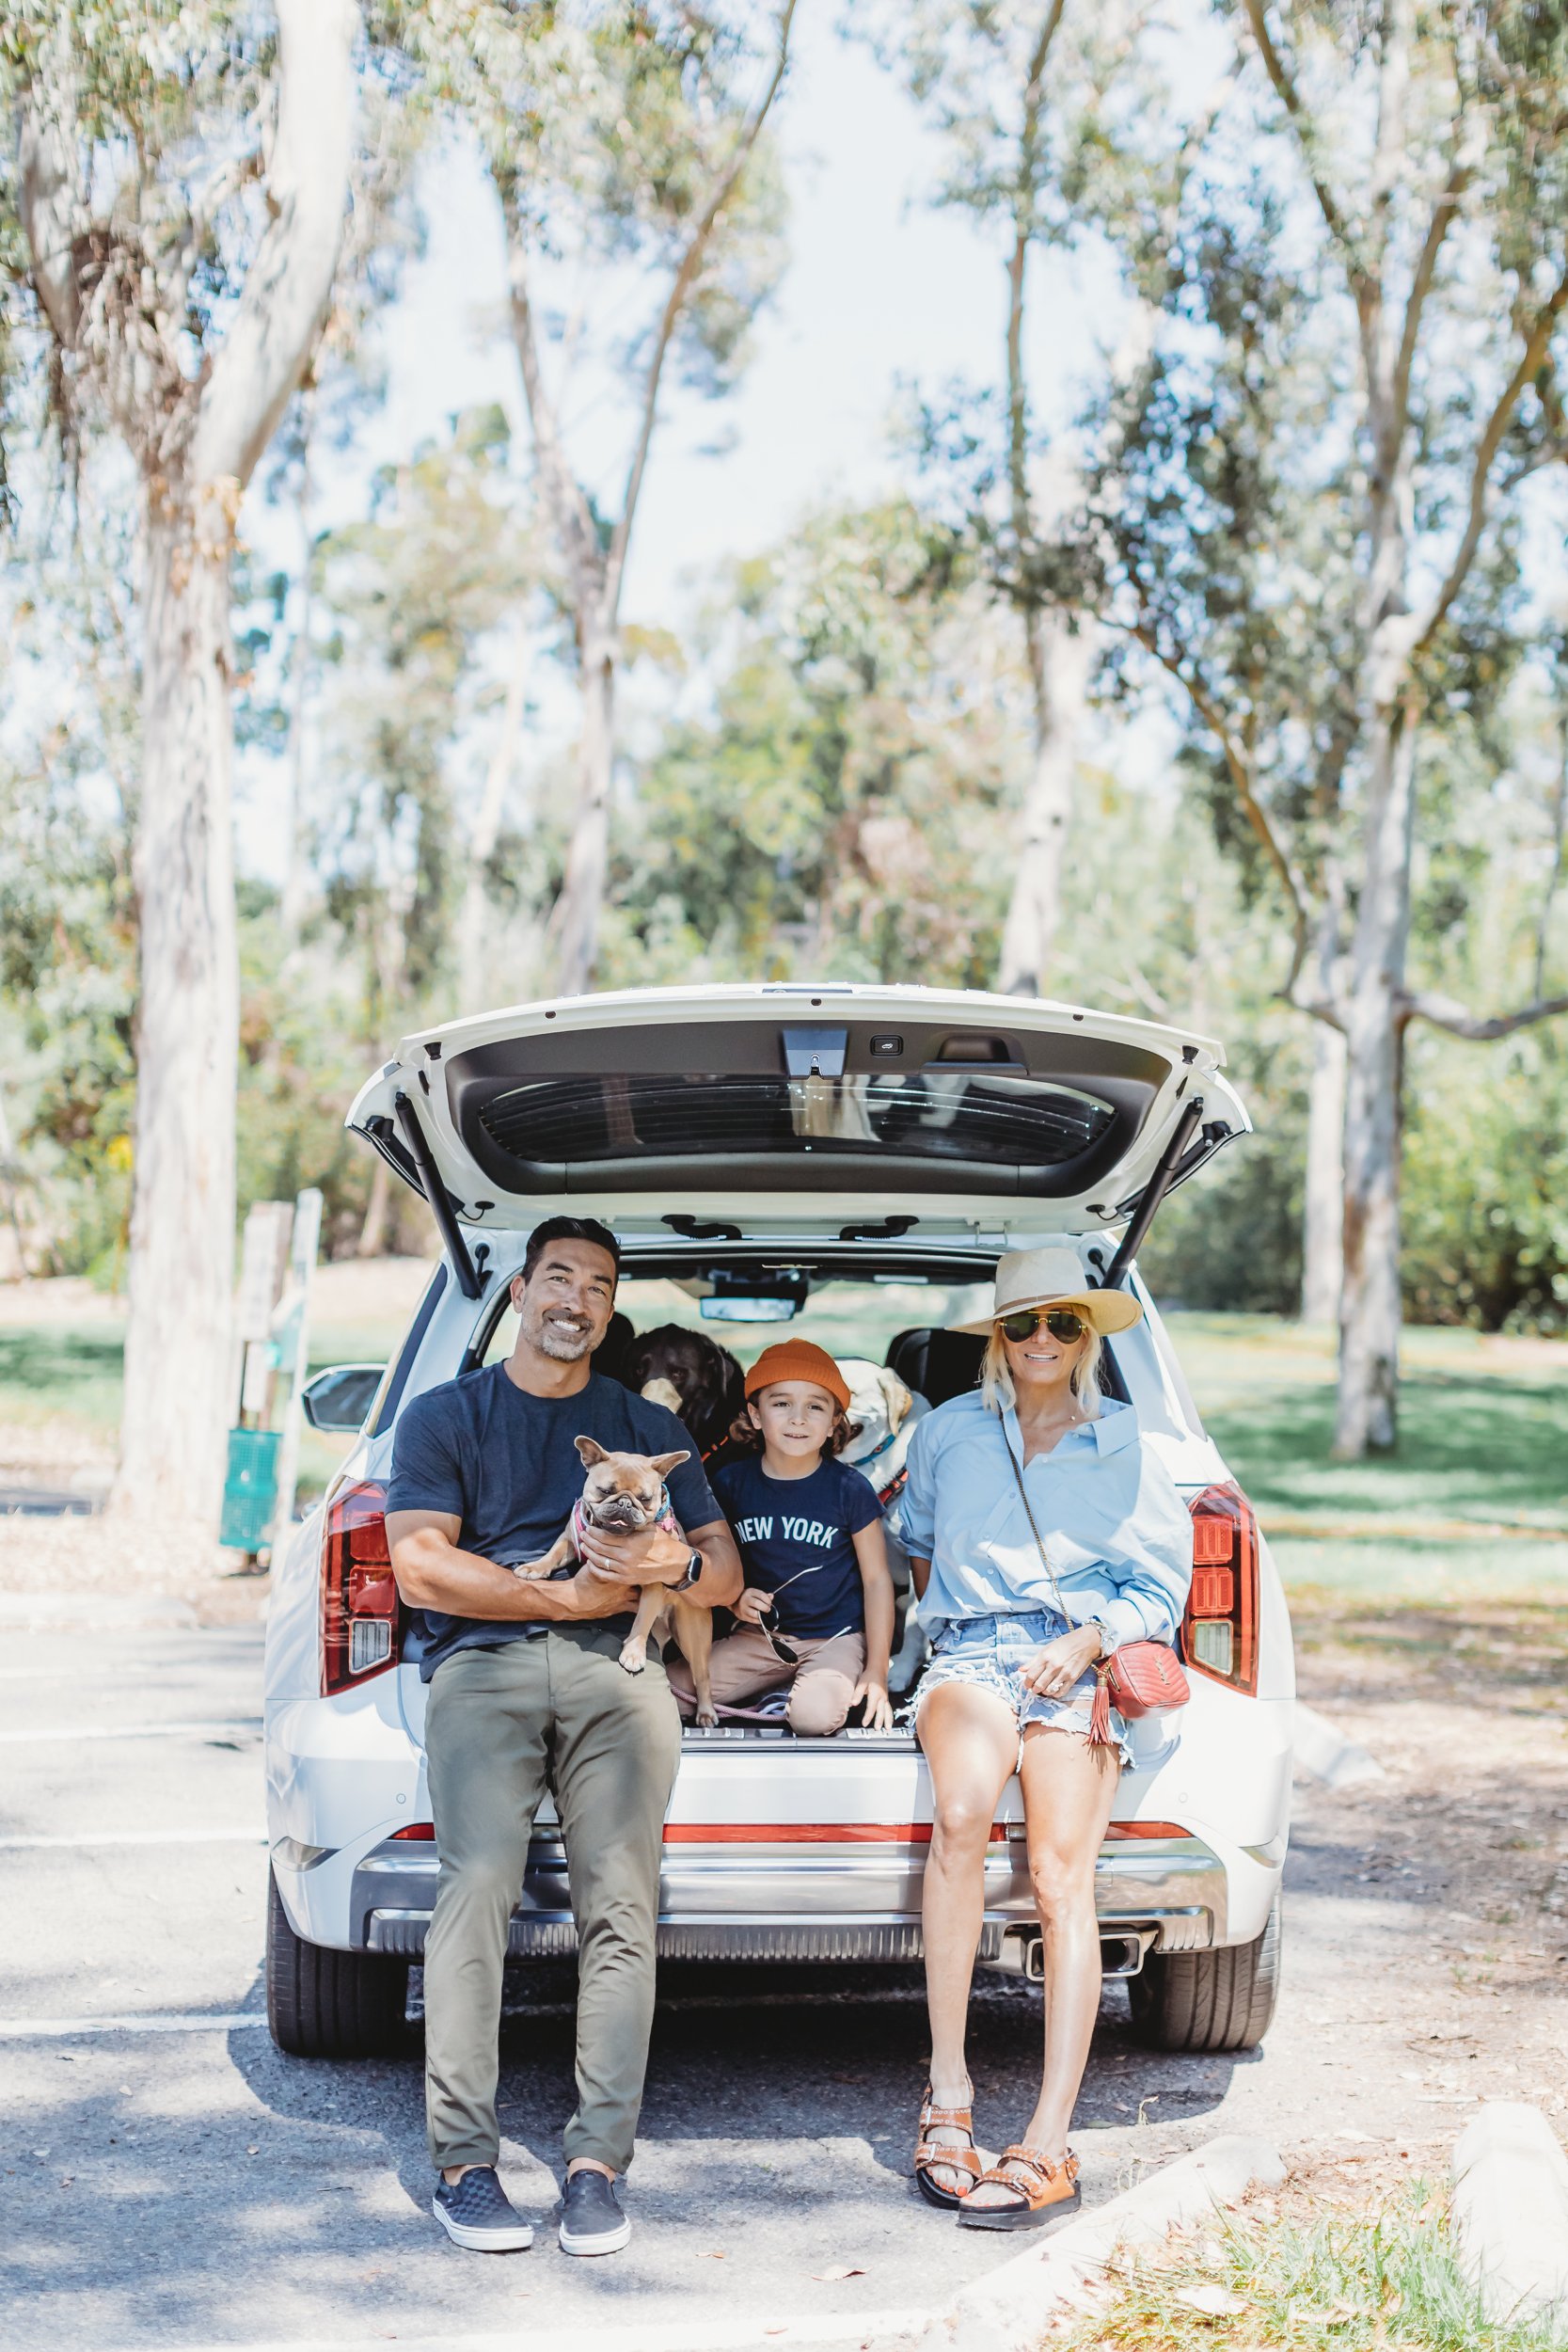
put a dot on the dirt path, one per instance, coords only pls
(1426, 1913)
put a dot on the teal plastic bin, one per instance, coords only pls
(250, 1488)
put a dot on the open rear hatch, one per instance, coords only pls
(771, 1107)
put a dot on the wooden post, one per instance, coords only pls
(292, 1328)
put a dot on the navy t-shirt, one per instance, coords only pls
(794, 1537)
(505, 1463)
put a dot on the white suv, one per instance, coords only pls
(858, 1158)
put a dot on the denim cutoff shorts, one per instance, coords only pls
(992, 1652)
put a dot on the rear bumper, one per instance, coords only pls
(823, 1902)
(808, 1849)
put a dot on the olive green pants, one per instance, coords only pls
(501, 1727)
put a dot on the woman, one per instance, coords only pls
(1016, 1636)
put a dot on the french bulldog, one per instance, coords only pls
(622, 1494)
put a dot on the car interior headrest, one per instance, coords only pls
(943, 1364)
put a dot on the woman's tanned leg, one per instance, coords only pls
(1068, 1789)
(970, 1737)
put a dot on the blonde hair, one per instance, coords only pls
(998, 1394)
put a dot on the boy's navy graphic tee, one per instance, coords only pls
(794, 1536)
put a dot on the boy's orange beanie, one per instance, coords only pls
(798, 1360)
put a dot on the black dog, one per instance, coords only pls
(705, 1377)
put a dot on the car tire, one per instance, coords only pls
(326, 2004)
(1221, 2001)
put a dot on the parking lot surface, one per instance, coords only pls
(171, 2180)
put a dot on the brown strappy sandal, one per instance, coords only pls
(1046, 2192)
(931, 2152)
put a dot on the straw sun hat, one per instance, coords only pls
(1052, 1277)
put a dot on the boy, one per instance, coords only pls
(816, 1615)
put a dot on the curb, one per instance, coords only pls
(1005, 2310)
(842, 2333)
(1327, 1755)
(1511, 2211)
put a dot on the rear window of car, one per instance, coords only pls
(1018, 1121)
(846, 1318)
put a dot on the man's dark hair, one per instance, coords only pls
(569, 1229)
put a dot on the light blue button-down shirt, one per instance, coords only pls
(1117, 1533)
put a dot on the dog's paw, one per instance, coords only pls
(707, 1719)
(632, 1659)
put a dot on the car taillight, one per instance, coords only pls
(1219, 1632)
(359, 1594)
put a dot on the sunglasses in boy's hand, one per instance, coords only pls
(781, 1648)
(1060, 1322)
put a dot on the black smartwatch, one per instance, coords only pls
(693, 1570)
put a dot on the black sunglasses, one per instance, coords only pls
(781, 1648)
(1060, 1322)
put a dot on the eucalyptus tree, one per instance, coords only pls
(629, 154)
(868, 715)
(171, 207)
(1049, 117)
(409, 601)
(1314, 531)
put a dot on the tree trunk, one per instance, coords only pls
(182, 1256)
(291, 907)
(578, 908)
(1323, 1225)
(1369, 1308)
(373, 1234)
(1058, 667)
(474, 920)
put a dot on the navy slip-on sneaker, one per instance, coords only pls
(476, 2212)
(592, 2221)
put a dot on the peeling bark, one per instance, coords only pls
(181, 1258)
(372, 1232)
(475, 918)
(575, 921)
(1369, 1308)
(1322, 1223)
(1059, 662)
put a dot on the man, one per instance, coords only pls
(527, 1691)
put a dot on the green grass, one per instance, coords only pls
(1345, 2283)
(73, 1374)
(1483, 1431)
(1484, 1439)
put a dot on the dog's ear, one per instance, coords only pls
(897, 1397)
(665, 1462)
(591, 1451)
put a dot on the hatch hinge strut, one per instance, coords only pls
(439, 1198)
(1154, 1193)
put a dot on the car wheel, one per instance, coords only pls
(327, 2004)
(1221, 2001)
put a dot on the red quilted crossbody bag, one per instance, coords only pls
(1139, 1679)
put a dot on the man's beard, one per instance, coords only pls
(564, 1345)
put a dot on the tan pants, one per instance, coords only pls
(745, 1664)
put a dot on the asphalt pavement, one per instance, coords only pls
(171, 2180)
